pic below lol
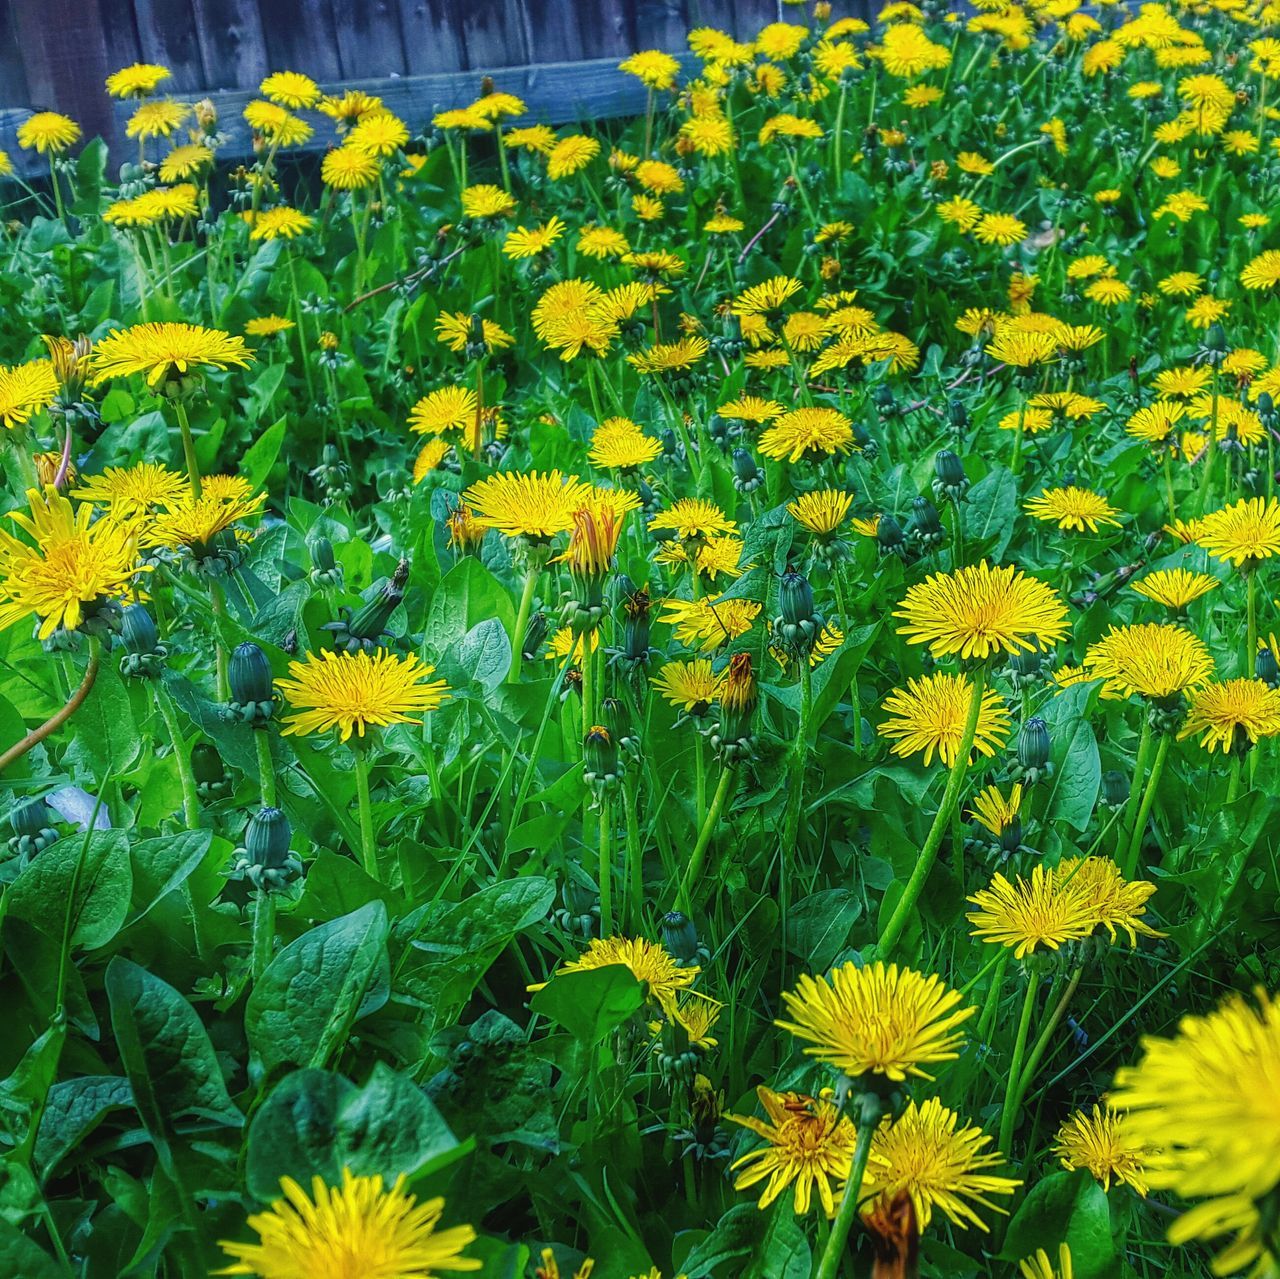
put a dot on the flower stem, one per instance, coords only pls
(704, 838)
(368, 854)
(188, 448)
(933, 841)
(833, 1253)
(1042, 1043)
(1144, 811)
(302, 329)
(606, 868)
(1013, 1095)
(522, 621)
(58, 718)
(266, 770)
(264, 929)
(1251, 633)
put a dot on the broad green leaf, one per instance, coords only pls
(468, 594)
(315, 1123)
(261, 455)
(592, 1003)
(818, 926)
(106, 738)
(166, 1054)
(89, 876)
(1065, 1207)
(162, 864)
(74, 1109)
(990, 511)
(316, 988)
(24, 1259)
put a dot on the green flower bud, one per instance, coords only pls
(1115, 789)
(366, 627)
(266, 839)
(252, 692)
(1034, 743)
(535, 632)
(600, 766)
(138, 630)
(679, 936)
(890, 538)
(1265, 667)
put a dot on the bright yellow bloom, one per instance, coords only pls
(1073, 508)
(979, 611)
(134, 490)
(354, 691)
(358, 1228)
(1100, 1143)
(280, 223)
(692, 517)
(807, 432)
(1153, 659)
(164, 351)
(451, 408)
(692, 685)
(528, 242)
(68, 568)
(379, 134)
(1174, 587)
(1233, 714)
(706, 624)
(158, 119)
(1038, 1266)
(809, 1144)
(571, 155)
(528, 505)
(48, 131)
(136, 81)
(821, 512)
(663, 978)
(878, 1019)
(291, 89)
(994, 811)
(930, 714)
(653, 68)
(1245, 533)
(196, 522)
(25, 389)
(346, 169)
(1030, 913)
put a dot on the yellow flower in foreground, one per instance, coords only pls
(1040, 1267)
(929, 715)
(1154, 659)
(1206, 1100)
(25, 389)
(160, 351)
(48, 131)
(352, 691)
(1233, 714)
(979, 611)
(527, 505)
(691, 685)
(1245, 533)
(692, 517)
(706, 624)
(347, 169)
(196, 523)
(280, 223)
(358, 1228)
(811, 432)
(649, 963)
(921, 1154)
(809, 1143)
(134, 490)
(1072, 508)
(881, 1019)
(1174, 587)
(821, 512)
(73, 567)
(136, 81)
(1030, 913)
(1100, 1143)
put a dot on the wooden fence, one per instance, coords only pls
(421, 56)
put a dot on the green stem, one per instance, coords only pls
(1135, 786)
(933, 841)
(1251, 637)
(266, 770)
(218, 603)
(190, 800)
(1144, 811)
(302, 328)
(188, 448)
(1042, 1043)
(522, 621)
(704, 839)
(1009, 1114)
(606, 868)
(264, 929)
(368, 853)
(833, 1253)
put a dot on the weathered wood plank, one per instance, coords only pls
(369, 39)
(13, 75)
(167, 34)
(300, 36)
(432, 43)
(232, 45)
(120, 27)
(494, 33)
(656, 24)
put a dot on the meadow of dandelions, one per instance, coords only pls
(683, 696)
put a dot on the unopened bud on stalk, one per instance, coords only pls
(252, 698)
(366, 627)
(600, 766)
(33, 832)
(679, 936)
(890, 538)
(144, 654)
(1266, 668)
(747, 476)
(535, 633)
(733, 738)
(926, 526)
(593, 542)
(1115, 789)
(949, 480)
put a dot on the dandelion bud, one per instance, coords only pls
(680, 936)
(747, 476)
(465, 534)
(593, 542)
(949, 480)
(957, 417)
(926, 527)
(206, 115)
(325, 570)
(798, 624)
(206, 767)
(733, 738)
(1115, 789)
(890, 538)
(252, 690)
(267, 837)
(617, 720)
(33, 832)
(535, 633)
(1266, 668)
(1267, 410)
(366, 627)
(600, 766)
(138, 630)
(636, 607)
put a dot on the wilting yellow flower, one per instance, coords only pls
(921, 1154)
(70, 566)
(280, 223)
(711, 558)
(979, 611)
(358, 1228)
(25, 389)
(1232, 715)
(48, 131)
(1245, 533)
(163, 351)
(528, 505)
(455, 329)
(930, 714)
(1174, 587)
(994, 811)
(1030, 913)
(807, 431)
(707, 624)
(354, 691)
(134, 490)
(809, 1144)
(1205, 1100)
(1072, 508)
(877, 1019)
(649, 963)
(1099, 1143)
(136, 81)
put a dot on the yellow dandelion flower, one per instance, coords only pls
(1232, 715)
(48, 132)
(1153, 659)
(290, 89)
(137, 81)
(930, 714)
(706, 624)
(1098, 1142)
(134, 490)
(529, 505)
(164, 351)
(1073, 508)
(1175, 588)
(1244, 533)
(809, 431)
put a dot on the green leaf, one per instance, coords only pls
(74, 1109)
(261, 455)
(991, 509)
(316, 988)
(468, 594)
(95, 890)
(818, 926)
(166, 1054)
(1066, 1207)
(485, 654)
(315, 1123)
(19, 1256)
(162, 864)
(106, 739)
(592, 1003)
(1077, 778)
